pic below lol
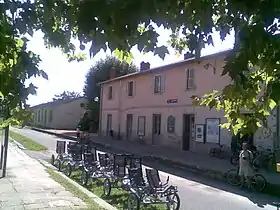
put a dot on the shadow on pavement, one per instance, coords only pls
(260, 199)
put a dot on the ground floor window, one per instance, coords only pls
(109, 123)
(156, 124)
(141, 126)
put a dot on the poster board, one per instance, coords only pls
(213, 130)
(199, 133)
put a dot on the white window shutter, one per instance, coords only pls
(162, 80)
(154, 84)
(186, 78)
(134, 89)
(192, 75)
(112, 92)
(190, 79)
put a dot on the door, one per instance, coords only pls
(156, 128)
(188, 131)
(129, 126)
(109, 123)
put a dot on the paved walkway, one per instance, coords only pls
(28, 186)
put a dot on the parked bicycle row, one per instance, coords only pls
(122, 171)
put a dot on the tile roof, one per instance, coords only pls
(55, 103)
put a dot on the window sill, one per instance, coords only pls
(190, 89)
(158, 93)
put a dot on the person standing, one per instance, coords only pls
(245, 164)
(84, 125)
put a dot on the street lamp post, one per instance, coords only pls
(4, 143)
(5, 105)
(5, 152)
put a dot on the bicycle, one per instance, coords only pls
(218, 152)
(258, 182)
(265, 158)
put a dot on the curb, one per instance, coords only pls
(55, 134)
(19, 145)
(95, 198)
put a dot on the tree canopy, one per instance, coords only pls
(122, 24)
(66, 95)
(100, 72)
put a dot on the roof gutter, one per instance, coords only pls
(167, 67)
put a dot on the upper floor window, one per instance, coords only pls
(190, 79)
(39, 116)
(159, 84)
(110, 92)
(130, 88)
(50, 116)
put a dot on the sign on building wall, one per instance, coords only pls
(172, 101)
(199, 133)
(171, 124)
(213, 130)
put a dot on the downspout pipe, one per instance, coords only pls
(100, 111)
(119, 110)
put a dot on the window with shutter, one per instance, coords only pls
(159, 84)
(130, 88)
(190, 79)
(110, 92)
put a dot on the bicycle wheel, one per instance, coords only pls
(233, 178)
(133, 202)
(258, 183)
(256, 164)
(234, 159)
(173, 201)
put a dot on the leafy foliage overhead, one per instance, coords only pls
(121, 24)
(66, 95)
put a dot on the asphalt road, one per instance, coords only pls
(196, 192)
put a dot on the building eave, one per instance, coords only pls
(167, 67)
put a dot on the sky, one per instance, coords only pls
(65, 76)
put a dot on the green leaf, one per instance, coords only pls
(44, 74)
(1, 95)
(31, 89)
(119, 54)
(161, 51)
(272, 104)
(226, 125)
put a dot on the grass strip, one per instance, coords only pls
(74, 190)
(118, 197)
(28, 143)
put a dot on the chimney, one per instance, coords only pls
(188, 56)
(112, 74)
(144, 66)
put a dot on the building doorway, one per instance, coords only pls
(188, 131)
(156, 128)
(129, 126)
(109, 124)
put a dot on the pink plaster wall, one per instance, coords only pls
(146, 103)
